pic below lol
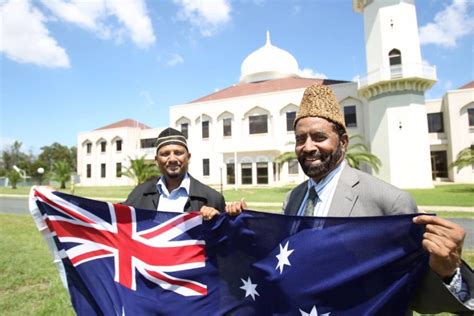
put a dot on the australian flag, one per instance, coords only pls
(119, 260)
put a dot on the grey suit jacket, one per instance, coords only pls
(360, 194)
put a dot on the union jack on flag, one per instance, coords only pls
(124, 261)
(152, 252)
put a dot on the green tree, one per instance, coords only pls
(286, 156)
(358, 154)
(140, 170)
(13, 177)
(13, 156)
(57, 152)
(61, 172)
(464, 158)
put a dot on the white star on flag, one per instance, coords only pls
(249, 288)
(283, 257)
(314, 312)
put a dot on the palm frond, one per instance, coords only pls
(464, 158)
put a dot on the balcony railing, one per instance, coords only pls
(398, 72)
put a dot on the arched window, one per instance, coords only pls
(395, 57)
(183, 125)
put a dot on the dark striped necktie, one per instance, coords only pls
(310, 202)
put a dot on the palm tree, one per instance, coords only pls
(61, 172)
(13, 177)
(464, 158)
(285, 157)
(140, 170)
(358, 154)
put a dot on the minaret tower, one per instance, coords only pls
(394, 86)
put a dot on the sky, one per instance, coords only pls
(77, 65)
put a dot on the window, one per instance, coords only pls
(230, 173)
(470, 114)
(184, 130)
(118, 170)
(205, 129)
(103, 146)
(293, 166)
(395, 57)
(246, 173)
(258, 124)
(88, 170)
(439, 164)
(205, 167)
(350, 116)
(227, 126)
(118, 145)
(435, 123)
(262, 173)
(148, 143)
(89, 148)
(102, 170)
(290, 120)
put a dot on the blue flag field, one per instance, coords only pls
(118, 260)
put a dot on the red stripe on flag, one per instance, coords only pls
(89, 255)
(67, 211)
(171, 225)
(182, 283)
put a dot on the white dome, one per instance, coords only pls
(268, 62)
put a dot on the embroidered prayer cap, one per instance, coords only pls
(171, 136)
(319, 100)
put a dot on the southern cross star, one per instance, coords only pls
(314, 312)
(249, 288)
(283, 257)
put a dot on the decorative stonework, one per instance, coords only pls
(404, 84)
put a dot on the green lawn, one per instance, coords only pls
(443, 195)
(29, 282)
(447, 195)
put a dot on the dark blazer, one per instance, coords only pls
(360, 194)
(146, 196)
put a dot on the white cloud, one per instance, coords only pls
(447, 85)
(296, 10)
(147, 96)
(25, 38)
(135, 18)
(449, 25)
(174, 59)
(206, 15)
(310, 73)
(94, 15)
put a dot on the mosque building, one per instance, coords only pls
(236, 133)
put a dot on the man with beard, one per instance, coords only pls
(176, 190)
(337, 190)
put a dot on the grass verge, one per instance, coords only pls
(443, 195)
(29, 282)
(447, 195)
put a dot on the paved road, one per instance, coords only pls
(15, 205)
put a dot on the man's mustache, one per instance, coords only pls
(312, 155)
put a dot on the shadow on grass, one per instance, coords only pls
(468, 190)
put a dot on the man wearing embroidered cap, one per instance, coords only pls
(176, 190)
(335, 189)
